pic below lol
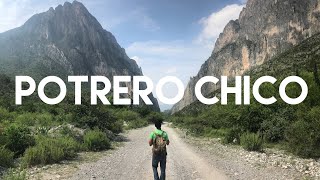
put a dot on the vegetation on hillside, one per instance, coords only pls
(297, 127)
(39, 134)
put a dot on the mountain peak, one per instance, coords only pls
(77, 3)
(65, 21)
(73, 7)
(66, 40)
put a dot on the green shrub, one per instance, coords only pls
(44, 119)
(100, 116)
(117, 127)
(252, 117)
(274, 128)
(35, 119)
(137, 124)
(18, 138)
(64, 118)
(232, 136)
(127, 115)
(6, 157)
(12, 174)
(196, 129)
(69, 132)
(50, 150)
(5, 115)
(96, 140)
(303, 136)
(251, 141)
(215, 133)
(220, 116)
(155, 117)
(144, 110)
(3, 139)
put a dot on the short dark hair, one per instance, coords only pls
(158, 124)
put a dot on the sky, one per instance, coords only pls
(165, 37)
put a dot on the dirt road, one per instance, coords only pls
(189, 159)
(133, 161)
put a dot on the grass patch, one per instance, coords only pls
(232, 136)
(50, 150)
(139, 123)
(96, 140)
(251, 141)
(13, 174)
(6, 157)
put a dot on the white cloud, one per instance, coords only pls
(137, 59)
(175, 58)
(148, 23)
(180, 58)
(214, 24)
(171, 70)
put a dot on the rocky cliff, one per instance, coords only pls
(64, 41)
(264, 29)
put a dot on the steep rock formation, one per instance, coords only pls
(264, 29)
(64, 41)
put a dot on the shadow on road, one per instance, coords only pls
(121, 138)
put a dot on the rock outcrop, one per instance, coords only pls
(64, 41)
(264, 29)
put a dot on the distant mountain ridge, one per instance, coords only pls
(263, 30)
(64, 41)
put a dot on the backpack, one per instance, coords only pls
(159, 144)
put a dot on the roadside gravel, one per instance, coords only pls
(189, 158)
(240, 164)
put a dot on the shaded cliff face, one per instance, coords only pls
(64, 41)
(264, 29)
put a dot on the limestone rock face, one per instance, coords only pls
(64, 41)
(264, 29)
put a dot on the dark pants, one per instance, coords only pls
(156, 159)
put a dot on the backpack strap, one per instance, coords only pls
(159, 134)
(156, 134)
(162, 134)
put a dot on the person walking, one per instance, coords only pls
(159, 140)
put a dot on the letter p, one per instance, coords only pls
(20, 92)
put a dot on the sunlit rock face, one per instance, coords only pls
(264, 29)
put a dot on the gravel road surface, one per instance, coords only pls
(191, 158)
(133, 161)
